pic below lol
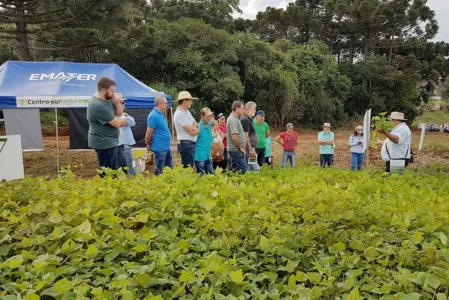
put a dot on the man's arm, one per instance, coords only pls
(118, 108)
(116, 122)
(325, 142)
(235, 139)
(148, 137)
(248, 144)
(392, 137)
(278, 139)
(124, 122)
(131, 120)
(191, 129)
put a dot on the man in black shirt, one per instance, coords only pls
(251, 135)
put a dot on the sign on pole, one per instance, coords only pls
(423, 133)
(366, 135)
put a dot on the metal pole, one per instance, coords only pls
(172, 124)
(57, 140)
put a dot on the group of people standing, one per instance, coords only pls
(241, 142)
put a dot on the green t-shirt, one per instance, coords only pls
(101, 134)
(261, 129)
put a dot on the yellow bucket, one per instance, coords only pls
(139, 152)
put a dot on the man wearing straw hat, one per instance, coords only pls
(326, 141)
(158, 136)
(186, 129)
(396, 151)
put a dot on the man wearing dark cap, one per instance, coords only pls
(263, 131)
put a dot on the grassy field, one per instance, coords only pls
(433, 117)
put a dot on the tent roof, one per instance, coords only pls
(66, 84)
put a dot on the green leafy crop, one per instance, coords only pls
(302, 233)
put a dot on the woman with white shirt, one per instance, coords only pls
(356, 144)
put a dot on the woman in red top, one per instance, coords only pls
(222, 123)
(289, 140)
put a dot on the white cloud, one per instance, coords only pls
(250, 8)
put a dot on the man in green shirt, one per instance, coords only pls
(263, 131)
(103, 114)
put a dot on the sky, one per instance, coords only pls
(250, 9)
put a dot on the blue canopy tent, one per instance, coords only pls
(33, 85)
(66, 85)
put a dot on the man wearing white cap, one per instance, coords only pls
(326, 141)
(396, 151)
(186, 129)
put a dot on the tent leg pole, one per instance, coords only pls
(172, 124)
(57, 140)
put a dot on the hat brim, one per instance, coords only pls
(188, 99)
(397, 119)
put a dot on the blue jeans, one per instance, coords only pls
(326, 159)
(252, 167)
(204, 167)
(129, 159)
(288, 156)
(162, 159)
(238, 162)
(357, 160)
(108, 158)
(187, 151)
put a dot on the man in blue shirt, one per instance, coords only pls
(203, 158)
(158, 136)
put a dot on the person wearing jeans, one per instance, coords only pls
(103, 114)
(357, 152)
(326, 141)
(158, 136)
(203, 158)
(263, 131)
(127, 138)
(162, 159)
(187, 129)
(289, 140)
(236, 139)
(251, 135)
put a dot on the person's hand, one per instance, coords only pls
(381, 131)
(148, 147)
(252, 155)
(116, 100)
(243, 151)
(125, 122)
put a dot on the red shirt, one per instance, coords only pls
(289, 141)
(223, 129)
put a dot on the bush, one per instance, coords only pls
(291, 234)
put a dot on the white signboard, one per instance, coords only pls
(366, 129)
(52, 101)
(11, 160)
